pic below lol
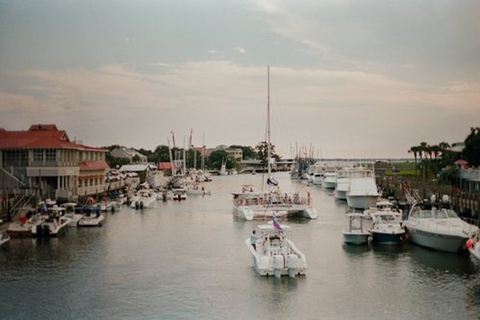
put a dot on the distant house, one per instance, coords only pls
(232, 153)
(130, 154)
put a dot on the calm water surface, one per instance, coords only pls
(188, 260)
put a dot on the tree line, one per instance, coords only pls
(437, 160)
(194, 157)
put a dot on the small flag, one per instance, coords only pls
(276, 225)
(272, 181)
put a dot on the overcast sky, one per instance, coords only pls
(349, 79)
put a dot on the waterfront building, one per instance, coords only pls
(44, 158)
(130, 154)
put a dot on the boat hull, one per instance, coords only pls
(355, 238)
(386, 238)
(91, 221)
(436, 241)
(278, 265)
(361, 202)
(51, 229)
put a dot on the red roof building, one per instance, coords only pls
(44, 157)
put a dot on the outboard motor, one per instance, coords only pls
(278, 265)
(292, 264)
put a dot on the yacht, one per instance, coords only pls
(437, 227)
(275, 254)
(362, 192)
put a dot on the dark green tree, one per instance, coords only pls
(214, 161)
(471, 152)
(262, 151)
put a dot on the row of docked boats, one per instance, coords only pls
(55, 220)
(432, 225)
(354, 184)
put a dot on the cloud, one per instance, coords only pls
(239, 50)
(227, 102)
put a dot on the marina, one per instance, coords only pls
(187, 260)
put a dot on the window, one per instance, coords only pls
(51, 155)
(37, 154)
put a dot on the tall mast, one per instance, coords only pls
(268, 122)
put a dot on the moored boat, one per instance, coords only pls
(387, 228)
(70, 213)
(356, 233)
(23, 227)
(92, 217)
(53, 226)
(437, 227)
(274, 254)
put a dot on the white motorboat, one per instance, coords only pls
(343, 181)
(275, 254)
(92, 217)
(381, 206)
(70, 213)
(145, 198)
(54, 225)
(196, 190)
(438, 228)
(4, 238)
(318, 178)
(387, 227)
(23, 227)
(179, 194)
(356, 233)
(362, 192)
(329, 180)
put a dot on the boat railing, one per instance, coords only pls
(472, 221)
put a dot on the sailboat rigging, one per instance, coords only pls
(250, 205)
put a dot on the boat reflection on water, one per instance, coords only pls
(356, 250)
(389, 251)
(458, 263)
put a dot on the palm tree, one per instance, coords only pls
(415, 151)
(423, 154)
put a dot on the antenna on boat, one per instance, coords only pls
(268, 122)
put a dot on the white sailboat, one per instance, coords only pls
(266, 204)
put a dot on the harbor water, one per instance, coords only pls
(188, 260)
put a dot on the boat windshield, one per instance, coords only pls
(387, 218)
(444, 213)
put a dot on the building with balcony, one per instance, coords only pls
(45, 159)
